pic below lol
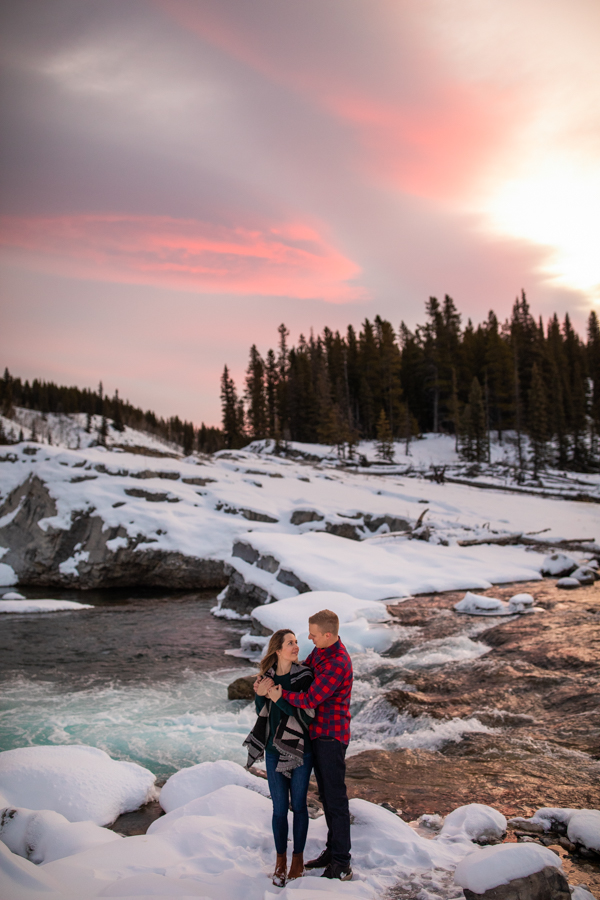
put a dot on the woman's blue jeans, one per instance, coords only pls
(282, 789)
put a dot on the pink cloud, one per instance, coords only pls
(291, 260)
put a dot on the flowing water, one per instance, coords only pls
(144, 677)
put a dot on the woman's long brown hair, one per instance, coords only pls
(275, 644)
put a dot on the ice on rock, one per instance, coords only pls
(485, 869)
(475, 605)
(197, 781)
(474, 822)
(10, 605)
(359, 630)
(79, 782)
(12, 595)
(42, 835)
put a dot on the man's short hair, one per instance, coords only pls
(326, 620)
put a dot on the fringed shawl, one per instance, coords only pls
(289, 739)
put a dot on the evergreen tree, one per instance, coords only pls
(474, 438)
(256, 395)
(593, 360)
(385, 439)
(538, 421)
(232, 412)
(117, 415)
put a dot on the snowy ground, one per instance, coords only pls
(215, 840)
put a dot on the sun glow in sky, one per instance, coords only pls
(180, 176)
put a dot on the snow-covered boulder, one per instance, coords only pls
(12, 595)
(585, 575)
(582, 826)
(81, 783)
(475, 605)
(526, 871)
(558, 564)
(521, 603)
(43, 835)
(196, 781)
(475, 822)
(568, 583)
(361, 621)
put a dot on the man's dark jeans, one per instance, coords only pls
(329, 757)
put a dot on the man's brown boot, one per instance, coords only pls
(297, 866)
(280, 870)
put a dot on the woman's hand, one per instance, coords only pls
(263, 685)
(275, 693)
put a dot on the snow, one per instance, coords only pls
(189, 784)
(583, 825)
(356, 617)
(81, 783)
(69, 566)
(13, 595)
(558, 564)
(8, 605)
(22, 880)
(44, 835)
(387, 569)
(475, 822)
(489, 868)
(7, 575)
(476, 605)
(568, 583)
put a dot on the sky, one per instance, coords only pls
(178, 177)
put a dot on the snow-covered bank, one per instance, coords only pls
(89, 516)
(216, 841)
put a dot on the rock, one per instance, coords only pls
(393, 522)
(584, 575)
(343, 530)
(549, 884)
(286, 576)
(300, 516)
(241, 688)
(558, 564)
(242, 596)
(245, 551)
(568, 583)
(38, 557)
(268, 564)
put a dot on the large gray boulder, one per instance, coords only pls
(549, 884)
(36, 554)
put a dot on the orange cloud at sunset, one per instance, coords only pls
(291, 260)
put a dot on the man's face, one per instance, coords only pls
(319, 638)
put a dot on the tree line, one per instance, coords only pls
(532, 379)
(113, 413)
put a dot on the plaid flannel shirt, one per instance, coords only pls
(329, 694)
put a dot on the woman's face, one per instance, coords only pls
(289, 648)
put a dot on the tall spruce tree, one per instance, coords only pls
(256, 399)
(232, 412)
(385, 439)
(474, 437)
(537, 421)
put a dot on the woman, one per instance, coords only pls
(281, 734)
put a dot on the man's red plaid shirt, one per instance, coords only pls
(329, 694)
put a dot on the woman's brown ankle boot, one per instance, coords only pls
(280, 870)
(297, 866)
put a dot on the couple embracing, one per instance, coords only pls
(304, 722)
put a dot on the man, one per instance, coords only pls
(329, 695)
